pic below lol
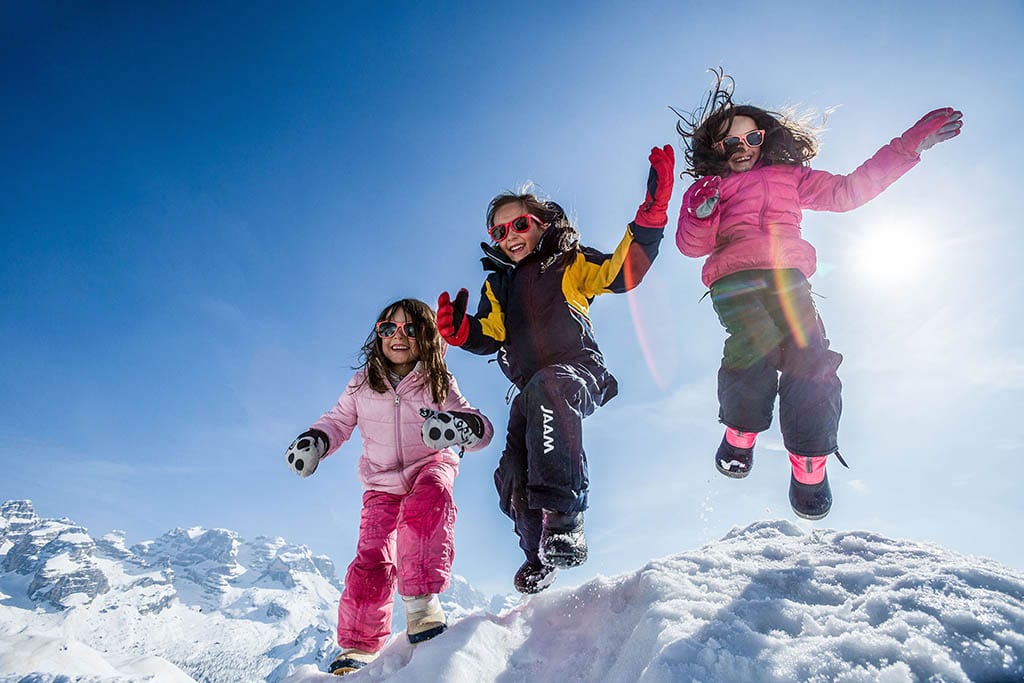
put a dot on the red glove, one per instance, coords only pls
(934, 127)
(653, 213)
(452, 322)
(701, 200)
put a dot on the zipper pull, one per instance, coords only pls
(397, 399)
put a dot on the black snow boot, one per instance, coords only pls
(534, 576)
(810, 501)
(733, 461)
(562, 543)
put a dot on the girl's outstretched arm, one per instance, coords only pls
(822, 191)
(594, 272)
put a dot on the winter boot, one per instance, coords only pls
(735, 456)
(424, 617)
(534, 576)
(350, 660)
(809, 492)
(562, 543)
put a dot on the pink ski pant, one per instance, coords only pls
(408, 540)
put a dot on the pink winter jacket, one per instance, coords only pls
(756, 224)
(389, 423)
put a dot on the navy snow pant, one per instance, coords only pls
(777, 346)
(544, 465)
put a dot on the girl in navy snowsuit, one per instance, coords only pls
(534, 312)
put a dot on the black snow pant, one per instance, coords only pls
(777, 346)
(544, 465)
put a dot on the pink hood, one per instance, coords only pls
(389, 423)
(757, 221)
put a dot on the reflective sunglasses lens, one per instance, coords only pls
(730, 143)
(754, 138)
(387, 329)
(410, 330)
(521, 224)
(498, 232)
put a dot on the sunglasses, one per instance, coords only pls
(389, 328)
(517, 224)
(752, 138)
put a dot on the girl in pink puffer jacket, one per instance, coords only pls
(743, 213)
(410, 416)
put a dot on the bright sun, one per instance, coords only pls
(891, 253)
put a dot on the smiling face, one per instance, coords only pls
(743, 158)
(401, 351)
(517, 245)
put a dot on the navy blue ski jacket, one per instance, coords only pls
(536, 312)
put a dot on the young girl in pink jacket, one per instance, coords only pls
(743, 213)
(410, 416)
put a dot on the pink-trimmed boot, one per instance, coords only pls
(735, 456)
(809, 492)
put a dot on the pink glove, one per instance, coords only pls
(933, 128)
(701, 200)
(653, 213)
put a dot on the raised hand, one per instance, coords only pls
(306, 451)
(441, 430)
(653, 213)
(934, 127)
(452, 322)
(701, 200)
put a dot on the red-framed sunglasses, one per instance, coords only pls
(517, 224)
(389, 328)
(752, 138)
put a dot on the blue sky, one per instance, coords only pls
(205, 206)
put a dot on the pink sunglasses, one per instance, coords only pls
(752, 138)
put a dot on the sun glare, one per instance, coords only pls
(891, 253)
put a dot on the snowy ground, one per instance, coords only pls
(770, 602)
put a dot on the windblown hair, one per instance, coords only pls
(428, 341)
(547, 211)
(788, 139)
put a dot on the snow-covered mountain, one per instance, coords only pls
(771, 602)
(194, 604)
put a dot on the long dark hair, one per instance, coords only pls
(788, 139)
(428, 341)
(547, 211)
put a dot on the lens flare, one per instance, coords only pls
(659, 355)
(784, 287)
(783, 281)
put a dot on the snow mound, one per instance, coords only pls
(769, 602)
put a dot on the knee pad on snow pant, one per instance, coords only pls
(426, 532)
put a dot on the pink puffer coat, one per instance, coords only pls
(389, 423)
(757, 221)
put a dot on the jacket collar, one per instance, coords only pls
(416, 373)
(496, 260)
